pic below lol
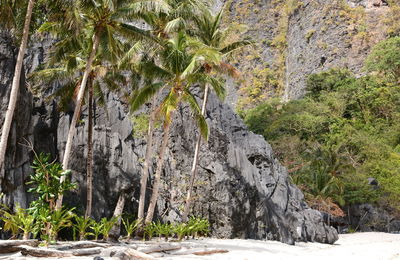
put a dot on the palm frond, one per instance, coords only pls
(235, 45)
(191, 100)
(175, 25)
(143, 95)
(146, 6)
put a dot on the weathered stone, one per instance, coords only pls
(368, 218)
(241, 187)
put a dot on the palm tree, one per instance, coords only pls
(16, 81)
(68, 71)
(182, 12)
(180, 63)
(103, 20)
(209, 31)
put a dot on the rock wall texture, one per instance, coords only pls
(328, 34)
(295, 38)
(242, 189)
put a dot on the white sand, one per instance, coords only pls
(373, 245)
(349, 246)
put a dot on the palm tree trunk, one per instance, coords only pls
(195, 161)
(157, 177)
(79, 99)
(147, 161)
(119, 208)
(15, 84)
(89, 169)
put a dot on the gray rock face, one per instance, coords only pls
(242, 189)
(327, 34)
(369, 218)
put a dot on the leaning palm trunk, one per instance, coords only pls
(157, 177)
(75, 117)
(15, 84)
(119, 208)
(147, 160)
(195, 161)
(89, 169)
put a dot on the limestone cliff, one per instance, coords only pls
(294, 38)
(242, 189)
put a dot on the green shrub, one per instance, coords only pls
(130, 226)
(344, 131)
(150, 230)
(18, 221)
(181, 230)
(50, 223)
(81, 226)
(103, 227)
(385, 58)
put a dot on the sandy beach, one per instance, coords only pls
(372, 245)
(349, 246)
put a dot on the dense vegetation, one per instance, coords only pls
(344, 131)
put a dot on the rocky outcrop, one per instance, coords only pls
(295, 38)
(369, 218)
(242, 189)
(323, 35)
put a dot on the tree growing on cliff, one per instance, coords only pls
(209, 30)
(180, 60)
(385, 58)
(16, 79)
(182, 12)
(69, 71)
(103, 22)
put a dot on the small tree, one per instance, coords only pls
(385, 58)
(47, 185)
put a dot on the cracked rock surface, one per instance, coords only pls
(241, 187)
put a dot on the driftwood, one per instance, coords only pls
(10, 246)
(132, 254)
(210, 252)
(43, 252)
(46, 252)
(81, 244)
(160, 248)
(87, 251)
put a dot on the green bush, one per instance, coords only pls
(130, 226)
(17, 222)
(81, 227)
(103, 227)
(344, 131)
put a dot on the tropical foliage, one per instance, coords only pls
(343, 132)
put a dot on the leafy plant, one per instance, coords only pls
(103, 227)
(181, 230)
(130, 226)
(150, 230)
(166, 230)
(198, 226)
(46, 182)
(50, 223)
(96, 227)
(82, 225)
(18, 221)
(163, 229)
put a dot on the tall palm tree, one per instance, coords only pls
(182, 12)
(180, 62)
(69, 71)
(104, 21)
(209, 30)
(16, 81)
